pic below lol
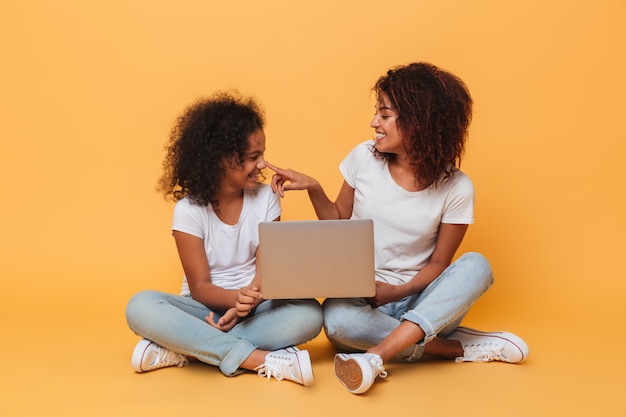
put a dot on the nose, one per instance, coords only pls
(375, 123)
(261, 163)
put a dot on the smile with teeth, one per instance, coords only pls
(380, 135)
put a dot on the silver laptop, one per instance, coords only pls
(316, 259)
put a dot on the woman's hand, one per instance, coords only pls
(288, 179)
(385, 293)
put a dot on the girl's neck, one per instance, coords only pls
(229, 194)
(229, 206)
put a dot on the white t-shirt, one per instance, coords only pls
(230, 249)
(406, 224)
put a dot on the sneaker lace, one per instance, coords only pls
(278, 367)
(484, 352)
(169, 358)
(377, 365)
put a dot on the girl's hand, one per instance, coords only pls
(288, 179)
(247, 299)
(385, 293)
(226, 322)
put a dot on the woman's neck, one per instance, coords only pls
(402, 173)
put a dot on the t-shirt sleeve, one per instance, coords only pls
(459, 207)
(350, 164)
(187, 218)
(274, 209)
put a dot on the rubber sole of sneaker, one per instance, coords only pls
(349, 373)
(509, 337)
(137, 358)
(304, 364)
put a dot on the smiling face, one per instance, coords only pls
(246, 176)
(388, 137)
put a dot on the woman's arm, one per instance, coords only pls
(448, 241)
(325, 209)
(196, 267)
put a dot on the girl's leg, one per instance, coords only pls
(276, 324)
(177, 323)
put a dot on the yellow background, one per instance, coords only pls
(89, 91)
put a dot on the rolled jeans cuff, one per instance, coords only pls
(236, 356)
(423, 322)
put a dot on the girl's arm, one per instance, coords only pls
(196, 267)
(250, 297)
(448, 241)
(325, 209)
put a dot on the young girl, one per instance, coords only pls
(212, 170)
(407, 180)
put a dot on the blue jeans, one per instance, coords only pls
(352, 325)
(177, 323)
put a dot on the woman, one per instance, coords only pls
(407, 180)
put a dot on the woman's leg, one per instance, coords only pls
(438, 310)
(352, 325)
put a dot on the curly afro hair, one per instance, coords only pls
(434, 111)
(210, 133)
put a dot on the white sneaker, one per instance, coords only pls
(290, 363)
(357, 371)
(486, 347)
(148, 356)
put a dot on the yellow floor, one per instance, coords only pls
(74, 361)
(89, 91)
